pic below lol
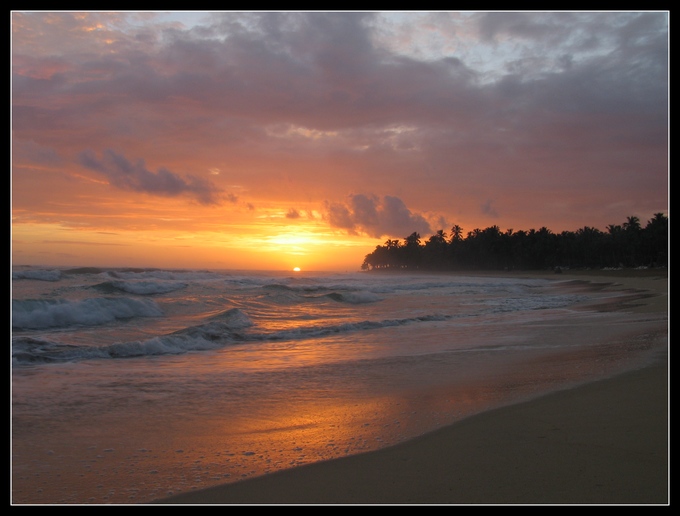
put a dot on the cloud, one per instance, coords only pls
(29, 151)
(488, 209)
(551, 114)
(377, 218)
(126, 175)
(293, 214)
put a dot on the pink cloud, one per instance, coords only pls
(127, 175)
(311, 105)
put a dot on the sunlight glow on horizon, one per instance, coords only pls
(249, 249)
(253, 140)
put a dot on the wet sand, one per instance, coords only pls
(605, 442)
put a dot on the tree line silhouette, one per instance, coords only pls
(625, 245)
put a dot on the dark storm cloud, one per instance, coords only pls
(126, 175)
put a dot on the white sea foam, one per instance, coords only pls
(217, 331)
(201, 310)
(536, 302)
(37, 274)
(311, 367)
(145, 287)
(32, 351)
(39, 313)
(160, 274)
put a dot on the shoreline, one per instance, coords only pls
(603, 442)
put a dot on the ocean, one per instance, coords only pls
(128, 385)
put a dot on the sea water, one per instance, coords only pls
(132, 384)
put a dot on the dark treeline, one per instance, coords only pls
(626, 245)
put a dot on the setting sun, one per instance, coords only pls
(417, 171)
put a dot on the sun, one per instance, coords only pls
(296, 269)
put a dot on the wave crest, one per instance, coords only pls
(36, 314)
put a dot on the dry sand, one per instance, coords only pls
(606, 442)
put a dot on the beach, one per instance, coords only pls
(139, 386)
(600, 442)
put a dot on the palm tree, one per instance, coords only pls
(616, 244)
(632, 223)
(435, 250)
(413, 240)
(632, 231)
(439, 236)
(411, 250)
(456, 233)
(656, 240)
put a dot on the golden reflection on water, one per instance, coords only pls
(160, 438)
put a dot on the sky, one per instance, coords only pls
(273, 140)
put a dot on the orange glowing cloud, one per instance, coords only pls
(277, 139)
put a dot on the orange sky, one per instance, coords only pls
(275, 140)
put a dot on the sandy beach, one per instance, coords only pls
(605, 442)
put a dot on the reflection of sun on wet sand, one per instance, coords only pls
(605, 442)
